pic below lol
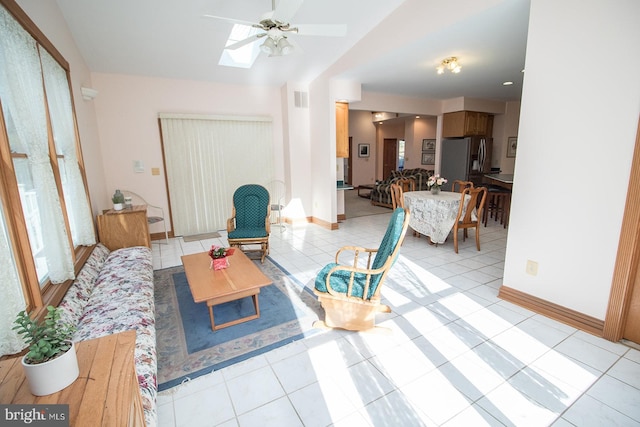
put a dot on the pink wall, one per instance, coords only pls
(363, 131)
(127, 108)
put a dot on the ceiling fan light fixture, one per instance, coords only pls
(284, 46)
(269, 46)
(451, 63)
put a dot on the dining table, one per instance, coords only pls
(433, 215)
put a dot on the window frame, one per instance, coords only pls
(37, 297)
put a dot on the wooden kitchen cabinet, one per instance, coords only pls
(125, 228)
(342, 129)
(466, 123)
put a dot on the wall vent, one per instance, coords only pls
(301, 99)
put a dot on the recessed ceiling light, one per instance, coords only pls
(417, 117)
(507, 83)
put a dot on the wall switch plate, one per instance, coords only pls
(532, 268)
(138, 166)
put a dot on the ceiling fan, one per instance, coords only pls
(276, 28)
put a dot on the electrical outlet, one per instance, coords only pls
(532, 268)
(155, 171)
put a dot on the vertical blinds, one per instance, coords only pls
(207, 158)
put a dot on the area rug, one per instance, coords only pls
(187, 347)
(202, 236)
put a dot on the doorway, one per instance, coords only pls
(389, 156)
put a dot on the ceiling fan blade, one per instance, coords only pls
(232, 20)
(321, 30)
(286, 9)
(244, 42)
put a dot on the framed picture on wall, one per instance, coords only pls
(429, 145)
(363, 150)
(512, 145)
(428, 158)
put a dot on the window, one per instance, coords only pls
(46, 207)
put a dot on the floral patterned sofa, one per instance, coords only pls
(114, 293)
(381, 193)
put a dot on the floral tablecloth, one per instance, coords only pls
(433, 215)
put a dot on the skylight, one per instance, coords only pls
(245, 56)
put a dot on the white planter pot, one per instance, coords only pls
(117, 206)
(54, 375)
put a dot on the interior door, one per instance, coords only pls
(389, 156)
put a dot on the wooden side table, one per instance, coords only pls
(106, 392)
(125, 228)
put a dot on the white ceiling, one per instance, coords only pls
(172, 39)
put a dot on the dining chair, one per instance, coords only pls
(461, 185)
(250, 218)
(350, 294)
(397, 196)
(468, 217)
(407, 184)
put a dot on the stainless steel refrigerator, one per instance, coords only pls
(466, 159)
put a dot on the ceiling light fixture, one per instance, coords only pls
(276, 46)
(451, 63)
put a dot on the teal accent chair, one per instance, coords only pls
(249, 223)
(350, 294)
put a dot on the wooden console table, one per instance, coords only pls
(125, 228)
(106, 393)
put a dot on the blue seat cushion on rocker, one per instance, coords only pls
(248, 233)
(340, 279)
(251, 202)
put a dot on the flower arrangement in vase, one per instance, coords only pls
(219, 256)
(435, 182)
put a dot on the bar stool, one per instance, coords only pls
(498, 204)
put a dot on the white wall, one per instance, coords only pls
(50, 21)
(578, 124)
(127, 109)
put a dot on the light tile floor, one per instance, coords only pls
(457, 354)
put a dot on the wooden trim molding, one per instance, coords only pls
(325, 224)
(33, 29)
(628, 254)
(554, 311)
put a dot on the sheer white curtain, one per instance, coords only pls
(21, 64)
(208, 158)
(12, 301)
(61, 113)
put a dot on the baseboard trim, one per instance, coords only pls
(324, 224)
(160, 236)
(562, 314)
(342, 217)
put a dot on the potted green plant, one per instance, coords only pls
(51, 363)
(118, 200)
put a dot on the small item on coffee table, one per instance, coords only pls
(219, 257)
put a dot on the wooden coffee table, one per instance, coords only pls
(241, 279)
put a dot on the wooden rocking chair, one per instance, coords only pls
(350, 295)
